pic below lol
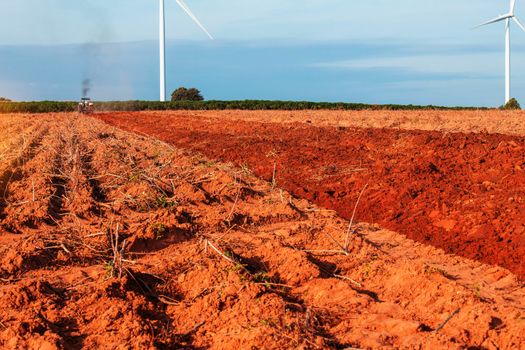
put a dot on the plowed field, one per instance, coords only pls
(111, 239)
(463, 192)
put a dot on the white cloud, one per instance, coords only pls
(469, 63)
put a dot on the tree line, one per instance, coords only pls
(192, 99)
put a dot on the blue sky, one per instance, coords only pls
(374, 51)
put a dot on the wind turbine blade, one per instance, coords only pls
(497, 19)
(186, 9)
(519, 23)
(512, 6)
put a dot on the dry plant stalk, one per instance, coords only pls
(236, 200)
(208, 243)
(273, 154)
(446, 321)
(274, 180)
(118, 254)
(241, 266)
(344, 248)
(347, 240)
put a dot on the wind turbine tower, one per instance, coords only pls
(507, 18)
(162, 40)
(162, 46)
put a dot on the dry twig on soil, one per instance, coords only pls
(446, 321)
(118, 254)
(347, 240)
(228, 219)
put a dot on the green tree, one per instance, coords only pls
(184, 94)
(512, 104)
(3, 99)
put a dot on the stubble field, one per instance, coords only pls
(114, 239)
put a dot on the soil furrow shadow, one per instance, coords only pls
(58, 182)
(97, 192)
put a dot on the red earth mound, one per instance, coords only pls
(463, 192)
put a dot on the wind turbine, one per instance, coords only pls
(507, 18)
(162, 41)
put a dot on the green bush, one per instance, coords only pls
(183, 94)
(3, 99)
(37, 107)
(511, 105)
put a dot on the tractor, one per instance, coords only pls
(86, 106)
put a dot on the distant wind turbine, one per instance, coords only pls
(162, 41)
(507, 18)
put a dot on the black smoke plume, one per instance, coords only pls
(86, 86)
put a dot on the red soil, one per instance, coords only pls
(112, 240)
(462, 192)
